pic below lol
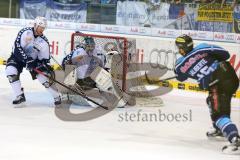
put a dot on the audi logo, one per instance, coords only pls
(161, 58)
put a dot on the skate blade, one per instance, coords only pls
(218, 138)
(231, 150)
(21, 105)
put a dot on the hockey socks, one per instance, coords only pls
(226, 126)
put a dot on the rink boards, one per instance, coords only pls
(150, 50)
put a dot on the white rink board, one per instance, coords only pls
(150, 47)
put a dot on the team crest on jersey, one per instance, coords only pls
(93, 62)
(28, 39)
(40, 40)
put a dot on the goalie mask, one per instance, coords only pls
(89, 44)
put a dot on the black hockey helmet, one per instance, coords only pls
(89, 40)
(184, 42)
(89, 43)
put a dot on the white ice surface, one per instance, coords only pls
(35, 133)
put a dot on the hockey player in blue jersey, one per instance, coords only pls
(209, 66)
(30, 50)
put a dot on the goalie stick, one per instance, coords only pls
(157, 81)
(73, 90)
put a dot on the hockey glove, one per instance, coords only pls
(44, 67)
(31, 64)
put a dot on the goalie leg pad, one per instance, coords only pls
(86, 83)
(104, 82)
(111, 57)
(70, 75)
(102, 78)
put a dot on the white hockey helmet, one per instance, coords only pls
(40, 21)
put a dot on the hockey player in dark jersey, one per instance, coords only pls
(30, 50)
(209, 66)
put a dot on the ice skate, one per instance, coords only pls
(233, 147)
(57, 101)
(19, 102)
(215, 135)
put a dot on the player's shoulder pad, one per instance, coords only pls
(207, 46)
(44, 38)
(70, 55)
(23, 30)
(202, 46)
(26, 29)
(179, 60)
(77, 48)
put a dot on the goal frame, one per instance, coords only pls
(124, 54)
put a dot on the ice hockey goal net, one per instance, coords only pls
(126, 47)
(105, 44)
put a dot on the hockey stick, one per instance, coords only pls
(81, 94)
(56, 62)
(2, 61)
(157, 81)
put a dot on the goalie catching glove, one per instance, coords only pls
(110, 57)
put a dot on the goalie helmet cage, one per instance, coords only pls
(106, 44)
